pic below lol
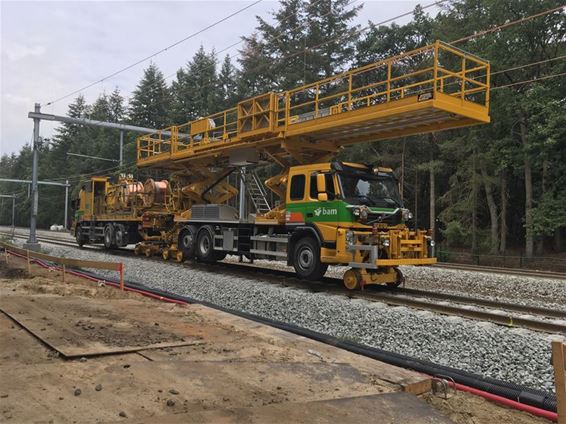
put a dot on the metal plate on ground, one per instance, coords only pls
(76, 326)
(381, 408)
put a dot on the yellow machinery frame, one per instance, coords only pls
(429, 89)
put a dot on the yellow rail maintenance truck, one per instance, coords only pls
(327, 211)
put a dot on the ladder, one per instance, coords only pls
(256, 191)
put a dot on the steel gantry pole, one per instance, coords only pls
(13, 197)
(32, 243)
(121, 148)
(13, 215)
(66, 204)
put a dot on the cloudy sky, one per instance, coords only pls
(49, 49)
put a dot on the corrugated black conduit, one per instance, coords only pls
(528, 396)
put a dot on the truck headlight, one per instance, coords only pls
(349, 238)
(385, 242)
(406, 214)
(432, 243)
(356, 212)
(364, 213)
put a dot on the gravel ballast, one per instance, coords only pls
(514, 355)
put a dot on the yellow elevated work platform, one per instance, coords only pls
(433, 88)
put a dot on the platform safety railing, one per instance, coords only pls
(436, 68)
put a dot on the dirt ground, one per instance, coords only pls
(82, 351)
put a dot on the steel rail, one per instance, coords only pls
(398, 297)
(507, 320)
(502, 270)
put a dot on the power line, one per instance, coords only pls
(508, 24)
(342, 37)
(529, 81)
(540, 62)
(194, 34)
(281, 32)
(349, 35)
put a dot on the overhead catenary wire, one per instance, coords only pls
(299, 52)
(508, 24)
(364, 29)
(281, 33)
(544, 77)
(194, 34)
(242, 39)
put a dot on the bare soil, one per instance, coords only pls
(230, 370)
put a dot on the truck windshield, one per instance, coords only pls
(370, 190)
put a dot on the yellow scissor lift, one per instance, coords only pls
(429, 89)
(433, 88)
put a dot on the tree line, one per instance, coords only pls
(491, 188)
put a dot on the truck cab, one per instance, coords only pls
(356, 216)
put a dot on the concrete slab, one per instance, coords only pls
(384, 408)
(77, 328)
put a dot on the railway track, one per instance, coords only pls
(523, 272)
(502, 313)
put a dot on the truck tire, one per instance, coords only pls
(79, 237)
(109, 236)
(306, 259)
(120, 236)
(205, 245)
(187, 241)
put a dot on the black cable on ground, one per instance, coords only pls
(516, 392)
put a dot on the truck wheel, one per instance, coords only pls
(81, 240)
(205, 245)
(306, 259)
(120, 238)
(187, 241)
(109, 236)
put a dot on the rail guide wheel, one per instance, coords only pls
(179, 256)
(400, 279)
(352, 279)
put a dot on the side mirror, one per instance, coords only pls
(322, 197)
(321, 183)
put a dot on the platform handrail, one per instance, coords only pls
(436, 68)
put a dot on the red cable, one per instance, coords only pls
(549, 415)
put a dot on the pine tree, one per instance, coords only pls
(285, 42)
(195, 92)
(151, 100)
(330, 40)
(227, 85)
(255, 76)
(116, 106)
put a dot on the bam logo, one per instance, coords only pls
(327, 212)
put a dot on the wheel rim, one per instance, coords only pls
(306, 258)
(187, 240)
(119, 236)
(204, 245)
(351, 280)
(107, 236)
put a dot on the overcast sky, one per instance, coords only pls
(52, 48)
